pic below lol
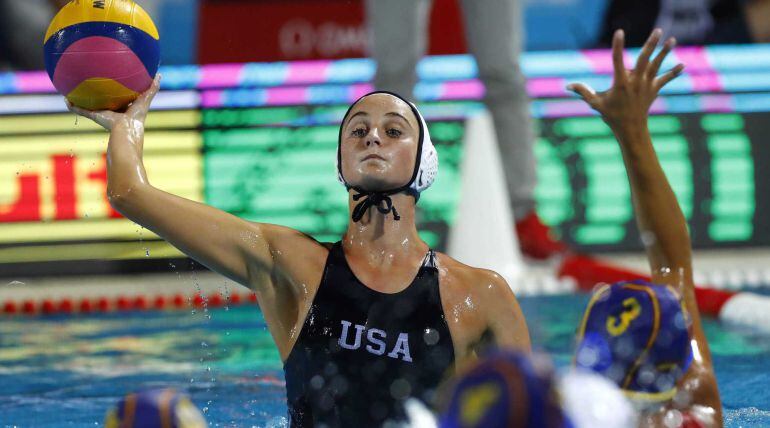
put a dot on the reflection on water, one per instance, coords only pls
(62, 370)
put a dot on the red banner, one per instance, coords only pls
(282, 30)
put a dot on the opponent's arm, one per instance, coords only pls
(625, 107)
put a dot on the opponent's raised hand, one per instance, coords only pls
(135, 113)
(629, 99)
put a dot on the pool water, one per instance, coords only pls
(68, 371)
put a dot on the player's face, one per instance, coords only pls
(379, 143)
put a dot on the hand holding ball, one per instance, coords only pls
(101, 54)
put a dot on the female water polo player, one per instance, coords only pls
(649, 338)
(365, 323)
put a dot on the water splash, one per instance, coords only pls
(141, 240)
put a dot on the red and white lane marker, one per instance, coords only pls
(734, 307)
(141, 302)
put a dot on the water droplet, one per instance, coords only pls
(431, 336)
(469, 302)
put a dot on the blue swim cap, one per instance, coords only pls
(157, 408)
(637, 335)
(505, 389)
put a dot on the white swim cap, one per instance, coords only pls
(425, 168)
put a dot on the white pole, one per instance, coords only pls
(483, 233)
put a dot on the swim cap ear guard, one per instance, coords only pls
(425, 169)
(637, 335)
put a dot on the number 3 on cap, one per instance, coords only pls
(631, 311)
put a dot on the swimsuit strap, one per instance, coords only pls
(430, 260)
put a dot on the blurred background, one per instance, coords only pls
(247, 121)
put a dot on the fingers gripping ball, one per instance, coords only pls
(158, 408)
(101, 54)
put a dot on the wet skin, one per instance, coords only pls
(625, 107)
(284, 266)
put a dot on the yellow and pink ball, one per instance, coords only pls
(101, 54)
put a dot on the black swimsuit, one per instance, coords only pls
(362, 353)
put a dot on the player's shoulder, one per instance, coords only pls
(468, 277)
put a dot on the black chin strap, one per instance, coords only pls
(380, 200)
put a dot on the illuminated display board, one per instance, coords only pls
(711, 161)
(287, 176)
(53, 178)
(258, 140)
(52, 194)
(267, 174)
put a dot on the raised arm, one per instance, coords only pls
(624, 107)
(662, 226)
(214, 238)
(259, 256)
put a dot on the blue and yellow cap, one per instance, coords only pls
(155, 408)
(637, 335)
(505, 389)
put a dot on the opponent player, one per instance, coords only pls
(362, 324)
(642, 336)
